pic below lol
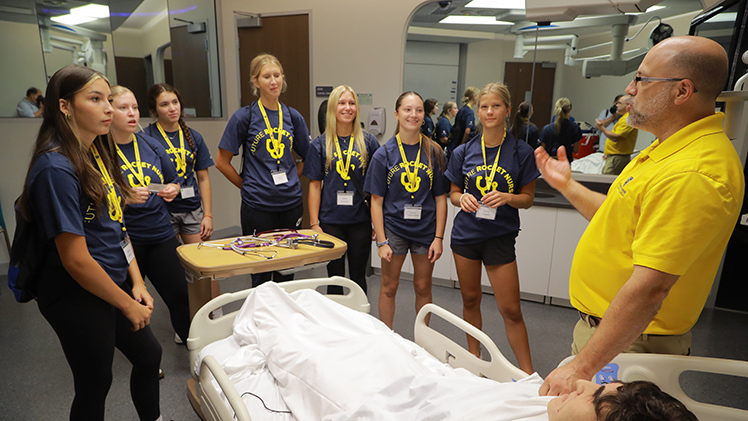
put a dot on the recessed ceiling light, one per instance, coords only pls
(91, 10)
(72, 19)
(497, 4)
(474, 20)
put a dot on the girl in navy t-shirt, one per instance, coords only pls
(493, 175)
(443, 124)
(336, 166)
(464, 125)
(430, 107)
(145, 164)
(267, 131)
(408, 204)
(90, 288)
(192, 210)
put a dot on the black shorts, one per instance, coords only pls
(494, 251)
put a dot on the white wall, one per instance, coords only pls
(432, 69)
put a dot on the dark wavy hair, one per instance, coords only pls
(153, 93)
(640, 401)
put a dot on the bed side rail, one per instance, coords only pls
(447, 351)
(665, 370)
(211, 404)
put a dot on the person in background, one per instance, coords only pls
(644, 266)
(522, 128)
(562, 131)
(605, 115)
(621, 140)
(464, 123)
(492, 176)
(267, 130)
(408, 204)
(430, 107)
(90, 289)
(444, 125)
(144, 164)
(336, 167)
(32, 105)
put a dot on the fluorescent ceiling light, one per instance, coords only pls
(72, 19)
(724, 17)
(497, 4)
(83, 14)
(651, 9)
(474, 20)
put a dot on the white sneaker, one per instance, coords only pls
(177, 339)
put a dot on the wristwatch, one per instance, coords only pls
(382, 243)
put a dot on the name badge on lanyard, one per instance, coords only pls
(127, 249)
(412, 212)
(345, 198)
(279, 177)
(485, 212)
(188, 192)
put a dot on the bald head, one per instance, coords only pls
(699, 59)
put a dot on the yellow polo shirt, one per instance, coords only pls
(672, 209)
(626, 145)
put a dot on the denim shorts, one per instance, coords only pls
(400, 245)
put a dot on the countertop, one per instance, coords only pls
(546, 195)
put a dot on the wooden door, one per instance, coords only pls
(287, 38)
(518, 77)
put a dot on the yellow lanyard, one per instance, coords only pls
(277, 150)
(344, 171)
(489, 179)
(179, 154)
(139, 173)
(412, 176)
(113, 200)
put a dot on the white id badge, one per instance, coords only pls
(155, 187)
(188, 192)
(485, 212)
(279, 177)
(412, 212)
(127, 249)
(345, 198)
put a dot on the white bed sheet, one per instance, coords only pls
(323, 361)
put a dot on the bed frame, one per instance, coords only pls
(665, 371)
(204, 330)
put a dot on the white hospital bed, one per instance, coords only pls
(664, 370)
(205, 330)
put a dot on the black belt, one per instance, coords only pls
(594, 321)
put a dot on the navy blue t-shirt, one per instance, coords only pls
(247, 129)
(315, 168)
(59, 205)
(569, 134)
(466, 169)
(427, 128)
(196, 161)
(387, 178)
(443, 128)
(148, 222)
(465, 119)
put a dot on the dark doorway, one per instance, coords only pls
(518, 77)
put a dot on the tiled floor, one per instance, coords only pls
(37, 383)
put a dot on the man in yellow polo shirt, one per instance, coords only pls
(621, 140)
(646, 262)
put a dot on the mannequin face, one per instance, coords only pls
(578, 405)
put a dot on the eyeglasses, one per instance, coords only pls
(638, 79)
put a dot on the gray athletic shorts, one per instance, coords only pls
(187, 222)
(400, 245)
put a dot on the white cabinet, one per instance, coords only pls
(535, 248)
(570, 226)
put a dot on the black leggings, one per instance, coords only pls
(159, 262)
(89, 329)
(254, 220)
(358, 237)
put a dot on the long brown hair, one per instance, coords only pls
(153, 93)
(520, 117)
(427, 144)
(56, 135)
